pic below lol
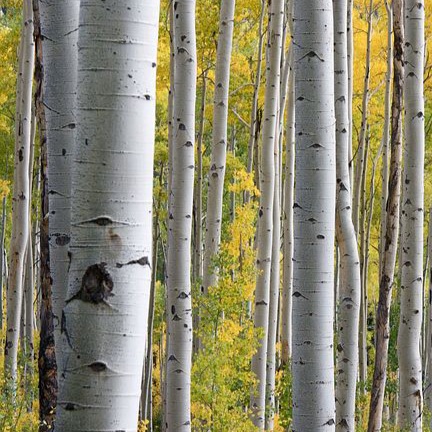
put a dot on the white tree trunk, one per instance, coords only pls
(104, 321)
(349, 277)
(411, 312)
(179, 306)
(288, 236)
(428, 366)
(265, 227)
(361, 150)
(59, 27)
(314, 218)
(21, 191)
(216, 174)
(392, 229)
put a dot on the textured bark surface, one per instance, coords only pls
(59, 29)
(179, 302)
(104, 320)
(46, 357)
(288, 234)
(314, 218)
(265, 224)
(411, 300)
(349, 276)
(21, 191)
(392, 229)
(216, 174)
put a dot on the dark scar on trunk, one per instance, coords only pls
(142, 261)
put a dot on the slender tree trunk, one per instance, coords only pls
(21, 191)
(179, 306)
(46, 360)
(386, 133)
(59, 27)
(104, 320)
(350, 59)
(265, 224)
(392, 229)
(274, 295)
(2, 258)
(360, 160)
(428, 372)
(216, 174)
(411, 312)
(314, 218)
(254, 121)
(286, 333)
(349, 277)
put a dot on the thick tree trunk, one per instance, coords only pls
(59, 28)
(314, 218)
(179, 306)
(411, 312)
(104, 320)
(265, 224)
(21, 191)
(392, 230)
(349, 277)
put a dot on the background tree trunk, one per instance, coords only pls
(265, 224)
(392, 230)
(411, 312)
(179, 306)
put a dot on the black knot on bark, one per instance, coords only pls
(97, 284)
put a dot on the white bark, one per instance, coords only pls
(411, 313)
(361, 150)
(288, 236)
(59, 28)
(349, 277)
(314, 218)
(104, 321)
(265, 227)
(216, 174)
(179, 306)
(21, 191)
(392, 229)
(428, 366)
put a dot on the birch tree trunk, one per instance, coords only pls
(360, 159)
(21, 191)
(411, 312)
(428, 366)
(104, 320)
(254, 110)
(2, 258)
(286, 333)
(386, 133)
(216, 175)
(59, 27)
(314, 218)
(265, 224)
(392, 229)
(349, 277)
(179, 306)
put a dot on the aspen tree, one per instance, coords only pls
(179, 306)
(59, 27)
(21, 191)
(104, 320)
(216, 174)
(265, 224)
(349, 277)
(392, 229)
(314, 218)
(411, 303)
